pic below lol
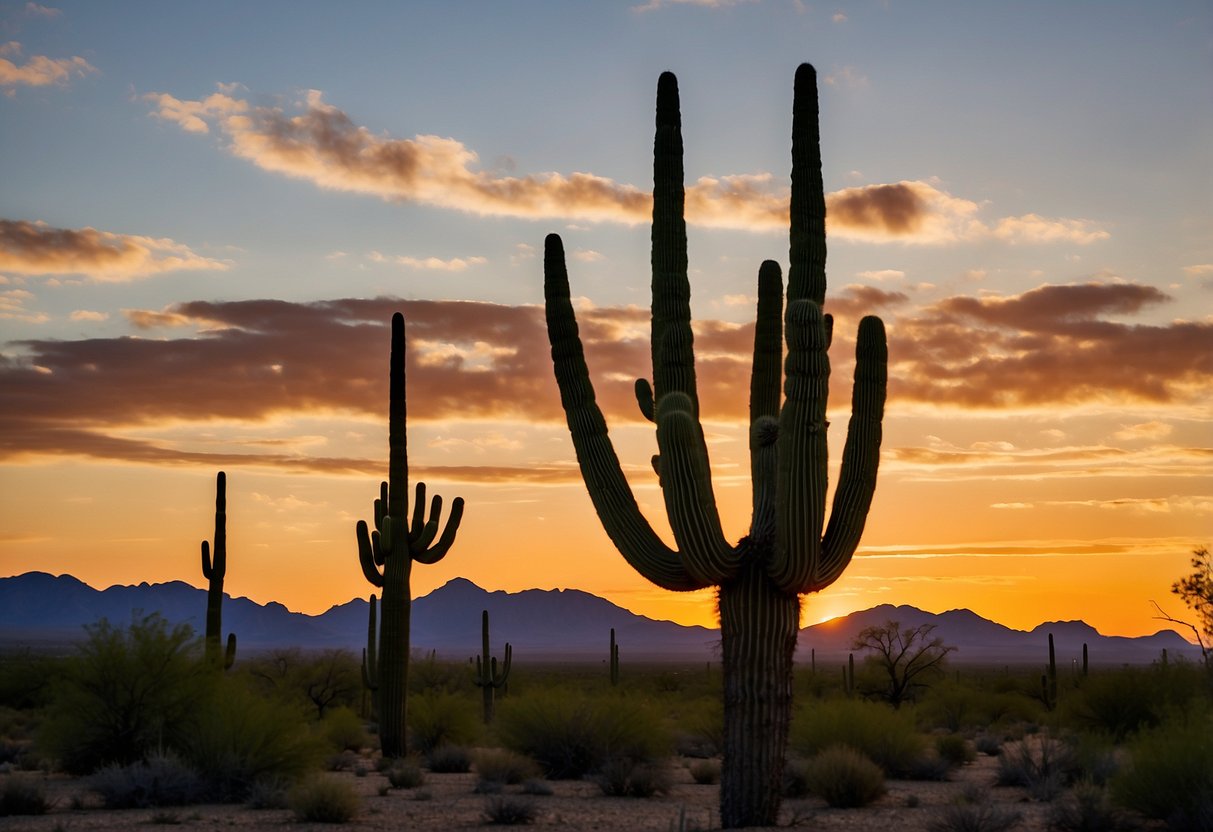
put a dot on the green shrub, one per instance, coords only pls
(509, 811)
(343, 729)
(1042, 765)
(126, 693)
(955, 749)
(405, 774)
(700, 728)
(161, 780)
(1118, 703)
(883, 735)
(1087, 808)
(440, 718)
(240, 738)
(705, 772)
(23, 795)
(974, 815)
(270, 793)
(795, 778)
(449, 759)
(1169, 775)
(323, 799)
(844, 778)
(499, 765)
(990, 746)
(571, 735)
(622, 777)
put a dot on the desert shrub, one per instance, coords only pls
(795, 778)
(955, 749)
(324, 800)
(405, 774)
(1169, 775)
(1093, 758)
(990, 746)
(1087, 808)
(27, 679)
(1117, 704)
(700, 728)
(623, 777)
(126, 693)
(570, 735)
(270, 793)
(929, 766)
(343, 730)
(440, 718)
(974, 814)
(161, 780)
(449, 759)
(537, 787)
(23, 795)
(705, 772)
(509, 811)
(951, 706)
(883, 735)
(1042, 765)
(844, 778)
(240, 738)
(428, 675)
(501, 765)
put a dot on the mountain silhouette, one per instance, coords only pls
(44, 611)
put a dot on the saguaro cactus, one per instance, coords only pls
(488, 678)
(614, 659)
(785, 553)
(370, 656)
(387, 553)
(214, 569)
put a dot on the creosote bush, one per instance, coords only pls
(449, 759)
(343, 730)
(161, 780)
(705, 772)
(974, 811)
(955, 749)
(405, 774)
(1088, 808)
(322, 799)
(440, 718)
(1169, 775)
(844, 778)
(622, 777)
(1041, 764)
(883, 735)
(508, 810)
(500, 765)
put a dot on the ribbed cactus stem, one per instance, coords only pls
(214, 569)
(370, 656)
(614, 658)
(488, 678)
(789, 549)
(1084, 658)
(386, 554)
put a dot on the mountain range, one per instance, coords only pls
(44, 611)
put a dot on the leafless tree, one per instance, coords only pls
(903, 658)
(1196, 591)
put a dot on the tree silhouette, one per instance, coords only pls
(904, 657)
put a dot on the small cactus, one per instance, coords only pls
(370, 657)
(488, 678)
(614, 659)
(214, 569)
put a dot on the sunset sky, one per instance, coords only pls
(209, 212)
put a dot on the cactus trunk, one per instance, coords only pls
(214, 569)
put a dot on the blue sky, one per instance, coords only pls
(1056, 158)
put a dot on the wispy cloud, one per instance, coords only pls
(654, 5)
(13, 307)
(454, 264)
(38, 70)
(35, 248)
(319, 143)
(37, 10)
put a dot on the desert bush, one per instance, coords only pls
(537, 787)
(428, 675)
(1093, 758)
(500, 765)
(161, 780)
(343, 730)
(955, 749)
(27, 679)
(126, 693)
(449, 759)
(509, 811)
(1087, 808)
(239, 738)
(571, 735)
(705, 772)
(1043, 765)
(883, 735)
(795, 777)
(623, 777)
(1118, 703)
(323, 799)
(405, 774)
(1169, 775)
(700, 728)
(22, 795)
(440, 718)
(270, 793)
(844, 778)
(974, 813)
(929, 766)
(990, 746)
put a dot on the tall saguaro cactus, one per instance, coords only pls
(387, 553)
(214, 569)
(786, 553)
(488, 678)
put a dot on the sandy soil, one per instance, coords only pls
(447, 801)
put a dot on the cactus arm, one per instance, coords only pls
(672, 341)
(506, 663)
(860, 455)
(417, 526)
(765, 380)
(686, 483)
(609, 491)
(801, 484)
(229, 654)
(207, 572)
(369, 555)
(644, 399)
(438, 550)
(807, 275)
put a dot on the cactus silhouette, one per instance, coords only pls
(370, 656)
(214, 569)
(387, 553)
(614, 659)
(488, 678)
(785, 553)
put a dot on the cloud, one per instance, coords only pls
(882, 275)
(317, 142)
(847, 76)
(13, 307)
(1152, 431)
(89, 315)
(36, 248)
(36, 10)
(654, 5)
(39, 70)
(455, 264)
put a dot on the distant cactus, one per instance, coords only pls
(214, 569)
(387, 553)
(785, 553)
(848, 676)
(1048, 681)
(614, 659)
(1084, 658)
(370, 657)
(488, 678)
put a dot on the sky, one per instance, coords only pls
(209, 212)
